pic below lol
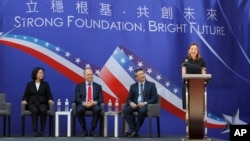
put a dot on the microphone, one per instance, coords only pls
(185, 62)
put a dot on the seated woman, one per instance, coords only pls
(37, 96)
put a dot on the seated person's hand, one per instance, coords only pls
(24, 102)
(133, 105)
(141, 104)
(89, 104)
(51, 101)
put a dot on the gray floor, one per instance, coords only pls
(168, 138)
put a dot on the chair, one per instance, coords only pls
(153, 111)
(88, 114)
(5, 109)
(50, 114)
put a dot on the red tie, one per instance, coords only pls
(89, 93)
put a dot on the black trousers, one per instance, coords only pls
(130, 118)
(38, 110)
(80, 112)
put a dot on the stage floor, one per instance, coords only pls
(170, 138)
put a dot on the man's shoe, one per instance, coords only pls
(40, 134)
(133, 134)
(84, 133)
(127, 134)
(92, 133)
(35, 134)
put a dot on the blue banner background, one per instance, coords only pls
(226, 53)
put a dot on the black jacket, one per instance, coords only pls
(43, 95)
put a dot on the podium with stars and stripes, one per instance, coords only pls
(196, 103)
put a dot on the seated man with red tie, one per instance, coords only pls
(141, 93)
(88, 96)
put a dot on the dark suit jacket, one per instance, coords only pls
(150, 93)
(42, 96)
(80, 93)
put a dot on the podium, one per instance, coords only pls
(196, 106)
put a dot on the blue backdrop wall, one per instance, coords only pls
(117, 36)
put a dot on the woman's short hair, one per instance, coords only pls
(35, 71)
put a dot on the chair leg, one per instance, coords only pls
(123, 126)
(9, 126)
(73, 125)
(4, 125)
(50, 125)
(22, 125)
(149, 126)
(158, 126)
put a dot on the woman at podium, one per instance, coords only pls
(192, 64)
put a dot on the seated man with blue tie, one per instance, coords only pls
(140, 95)
(88, 96)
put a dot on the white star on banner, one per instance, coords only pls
(77, 60)
(167, 84)
(122, 60)
(175, 90)
(158, 77)
(232, 120)
(149, 71)
(67, 54)
(130, 68)
(46, 44)
(97, 72)
(130, 57)
(57, 49)
(140, 64)
(87, 66)
(35, 40)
